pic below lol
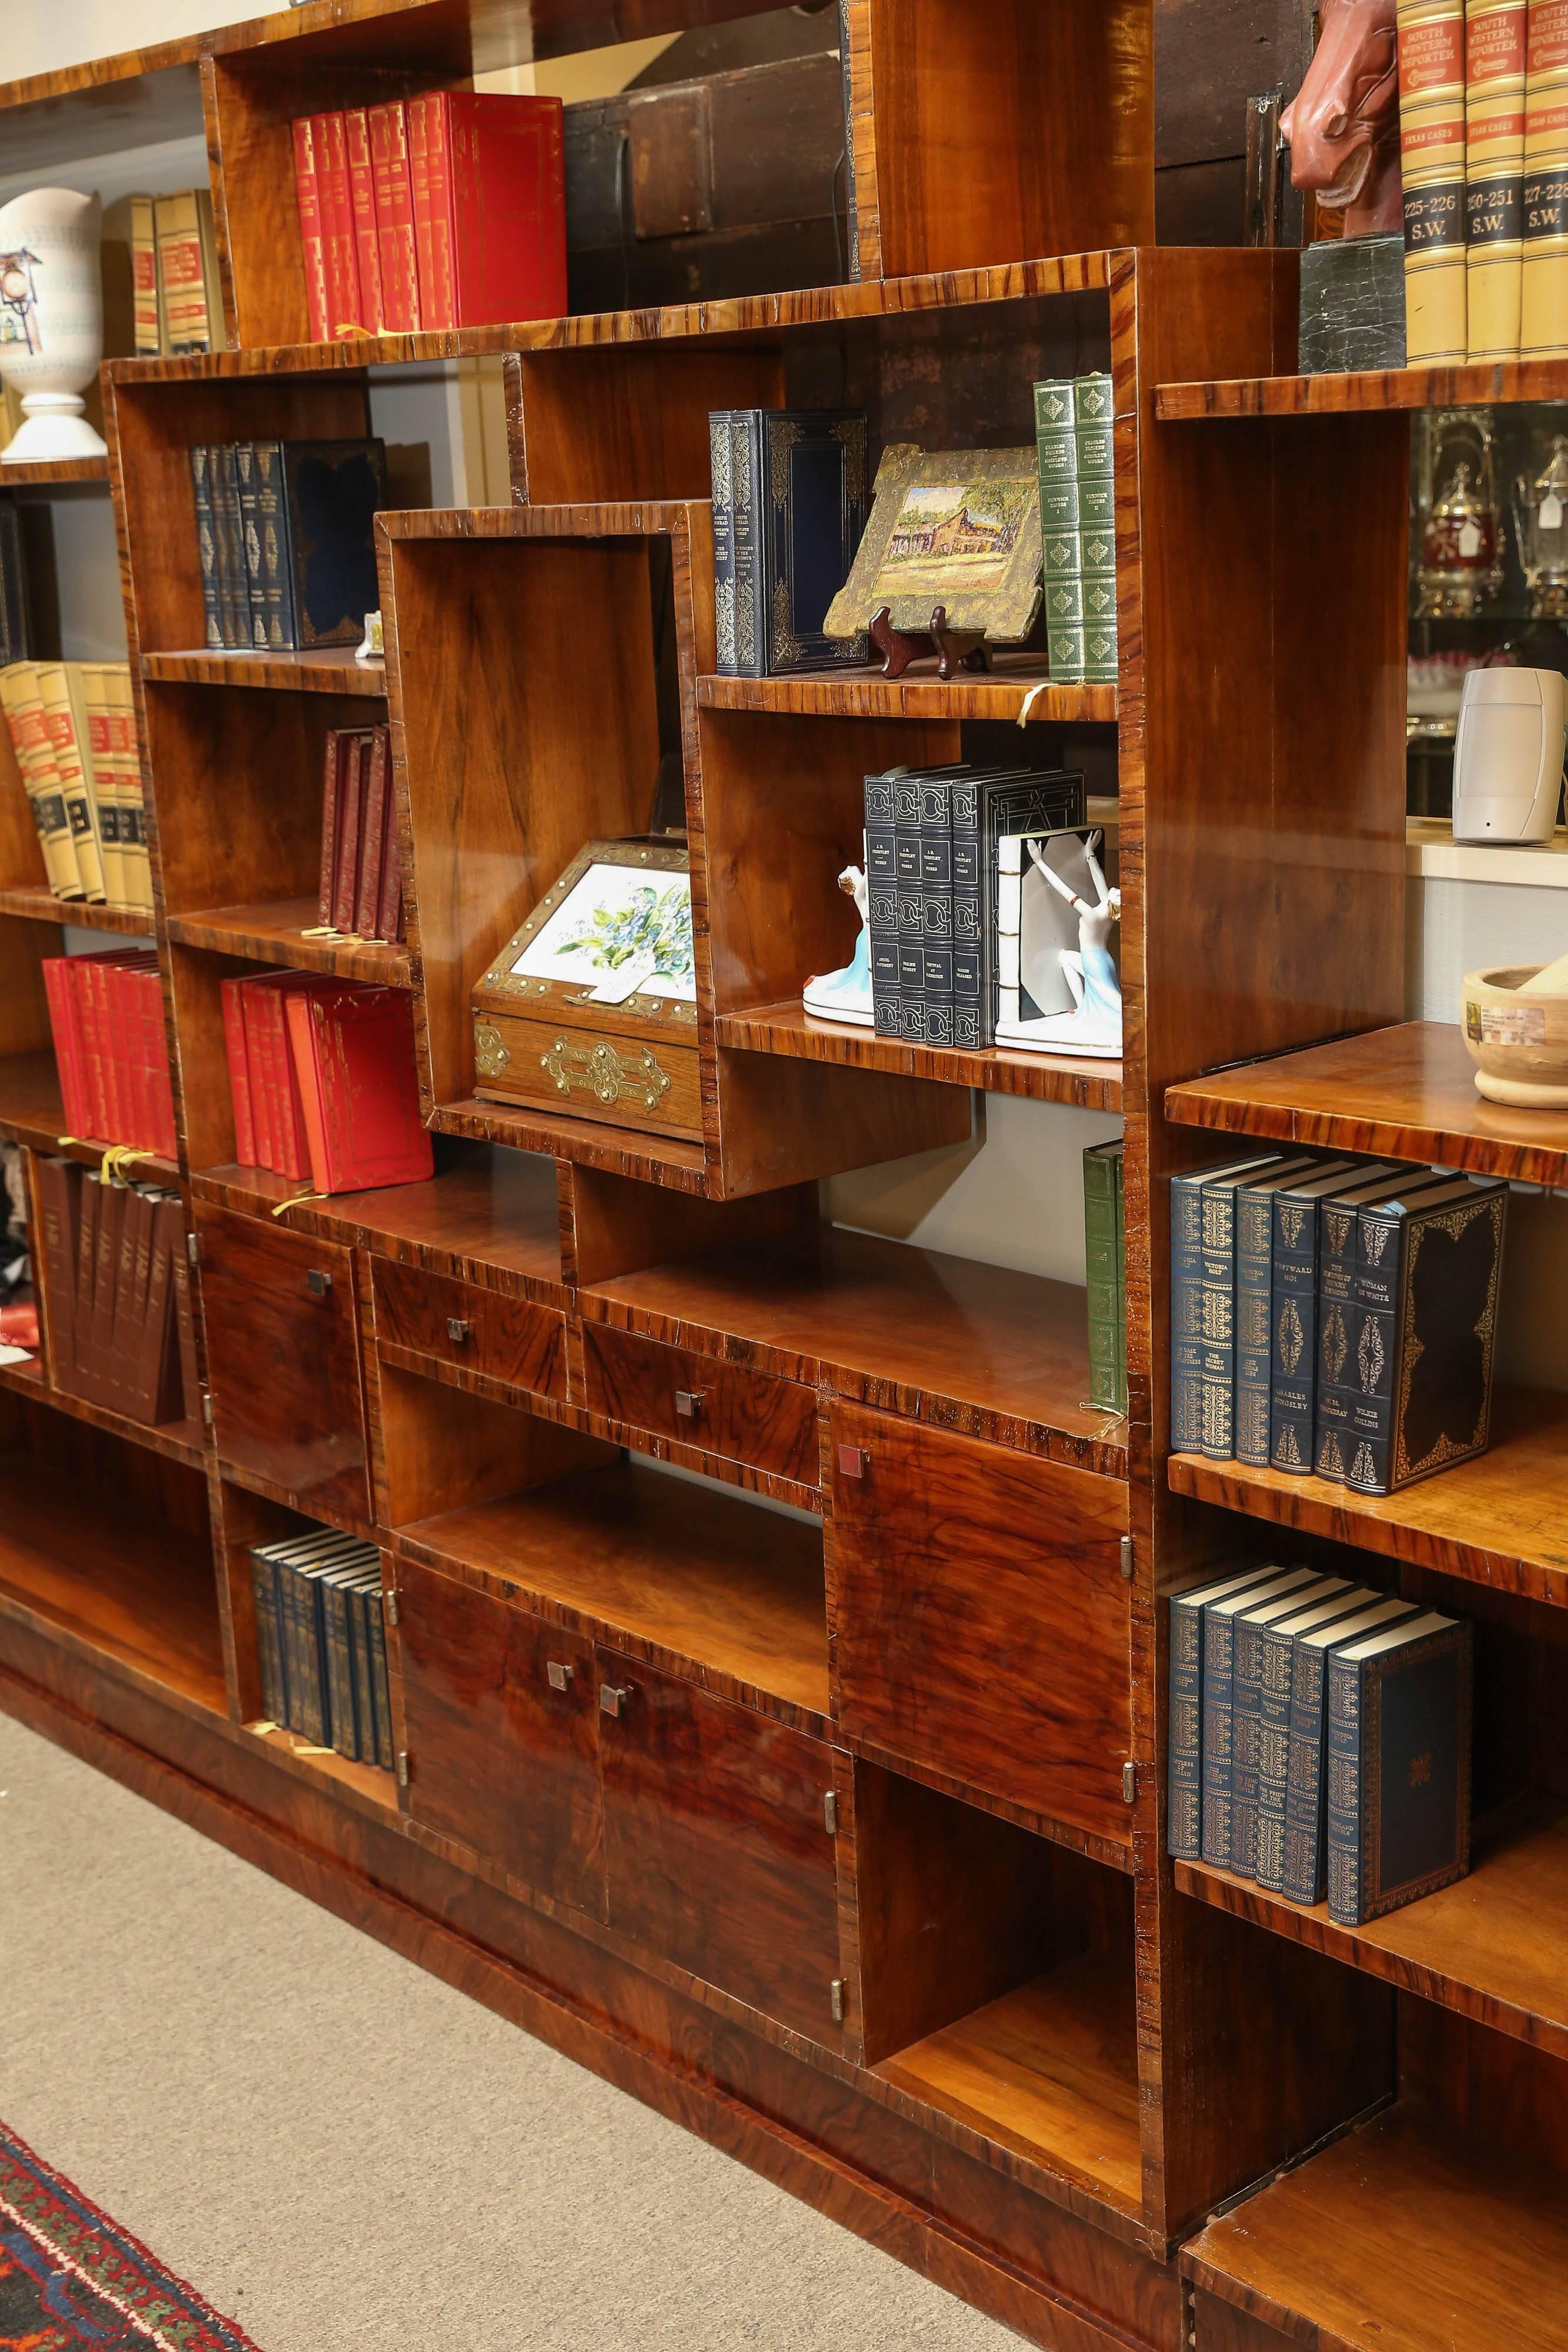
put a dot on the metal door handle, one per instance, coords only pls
(560, 1675)
(456, 1329)
(613, 1700)
(689, 1403)
(317, 1282)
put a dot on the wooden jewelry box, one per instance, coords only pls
(590, 1006)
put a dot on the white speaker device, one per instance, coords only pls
(1508, 755)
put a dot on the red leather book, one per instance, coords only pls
(393, 189)
(70, 1045)
(337, 223)
(372, 837)
(239, 1073)
(331, 817)
(256, 1075)
(495, 197)
(363, 211)
(312, 238)
(89, 980)
(162, 1137)
(353, 1047)
(352, 793)
(266, 1022)
(122, 1355)
(132, 1078)
(434, 271)
(391, 923)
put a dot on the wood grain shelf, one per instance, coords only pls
(1484, 383)
(54, 469)
(715, 1591)
(1489, 1948)
(624, 1151)
(374, 1790)
(129, 1589)
(38, 905)
(33, 1112)
(1404, 1092)
(327, 670)
(919, 694)
(970, 1347)
(1500, 1520)
(1405, 2235)
(176, 1441)
(1049, 2071)
(275, 934)
(788, 1029)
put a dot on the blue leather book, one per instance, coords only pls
(721, 481)
(1218, 1697)
(386, 1755)
(1216, 1273)
(201, 457)
(1247, 1713)
(268, 1636)
(1339, 1241)
(796, 510)
(1337, 1600)
(882, 890)
(1398, 1767)
(1424, 1298)
(1187, 1303)
(333, 490)
(1254, 1280)
(1184, 1780)
(1304, 1779)
(233, 593)
(1293, 1308)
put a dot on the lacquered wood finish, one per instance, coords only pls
(283, 1360)
(44, 470)
(1484, 383)
(1404, 1093)
(980, 1616)
(275, 934)
(319, 669)
(754, 1418)
(500, 1758)
(37, 904)
(1014, 681)
(788, 1029)
(718, 1852)
(511, 1340)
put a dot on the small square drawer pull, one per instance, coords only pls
(560, 1675)
(613, 1700)
(456, 1329)
(854, 1462)
(317, 1282)
(689, 1403)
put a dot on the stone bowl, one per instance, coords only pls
(1519, 1042)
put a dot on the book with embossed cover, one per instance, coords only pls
(789, 508)
(353, 1054)
(1398, 1767)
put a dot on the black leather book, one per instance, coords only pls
(1253, 1299)
(969, 956)
(1339, 1237)
(1398, 1767)
(201, 455)
(882, 890)
(1304, 1775)
(911, 908)
(1293, 1307)
(234, 591)
(937, 907)
(332, 492)
(1424, 1332)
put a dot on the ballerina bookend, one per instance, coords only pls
(846, 996)
(1093, 1027)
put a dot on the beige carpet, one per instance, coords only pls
(346, 2156)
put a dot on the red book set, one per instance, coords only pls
(360, 893)
(106, 1014)
(443, 211)
(322, 1078)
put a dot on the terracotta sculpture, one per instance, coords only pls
(1342, 126)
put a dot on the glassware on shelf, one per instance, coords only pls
(1459, 530)
(1541, 522)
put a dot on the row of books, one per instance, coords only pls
(1483, 135)
(447, 210)
(1335, 1315)
(1106, 1263)
(175, 292)
(1319, 1739)
(321, 1643)
(121, 1329)
(73, 730)
(286, 536)
(360, 893)
(321, 1076)
(933, 882)
(789, 491)
(1072, 424)
(106, 1013)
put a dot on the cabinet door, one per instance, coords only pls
(499, 1709)
(282, 1357)
(983, 1621)
(718, 1850)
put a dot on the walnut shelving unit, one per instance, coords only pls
(968, 2006)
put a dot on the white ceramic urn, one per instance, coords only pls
(51, 319)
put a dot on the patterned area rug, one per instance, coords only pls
(69, 2276)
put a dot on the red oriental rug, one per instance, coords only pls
(70, 2277)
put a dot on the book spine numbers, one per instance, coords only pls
(1496, 53)
(1543, 279)
(1432, 166)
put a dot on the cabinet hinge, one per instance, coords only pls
(390, 1599)
(1129, 1783)
(405, 1768)
(194, 1248)
(1127, 1557)
(831, 1811)
(207, 1407)
(836, 1998)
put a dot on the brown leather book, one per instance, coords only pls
(190, 1407)
(123, 1352)
(58, 1189)
(158, 1395)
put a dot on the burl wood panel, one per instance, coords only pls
(981, 1616)
(1403, 2234)
(630, 424)
(746, 1415)
(284, 1359)
(511, 1340)
(500, 1758)
(719, 1855)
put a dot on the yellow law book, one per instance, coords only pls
(24, 708)
(1543, 289)
(1496, 51)
(1432, 165)
(103, 776)
(65, 715)
(132, 815)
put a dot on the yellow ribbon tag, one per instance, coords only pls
(295, 1199)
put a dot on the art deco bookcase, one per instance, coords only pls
(836, 1831)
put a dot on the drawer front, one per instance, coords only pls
(283, 1358)
(629, 1079)
(718, 1853)
(723, 1408)
(485, 1331)
(984, 1625)
(502, 1750)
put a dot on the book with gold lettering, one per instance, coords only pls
(1432, 164)
(1495, 61)
(1543, 284)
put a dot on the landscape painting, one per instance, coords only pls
(954, 539)
(954, 527)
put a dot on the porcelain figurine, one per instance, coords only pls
(846, 996)
(1093, 1027)
(51, 321)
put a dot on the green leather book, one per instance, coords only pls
(1105, 1263)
